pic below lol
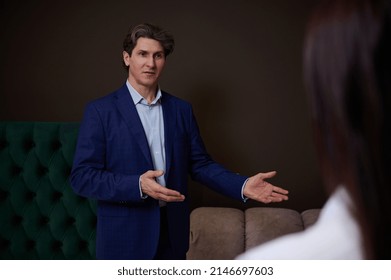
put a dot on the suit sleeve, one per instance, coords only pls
(89, 176)
(208, 172)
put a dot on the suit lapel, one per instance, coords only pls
(169, 115)
(128, 111)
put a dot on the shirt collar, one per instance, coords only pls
(137, 97)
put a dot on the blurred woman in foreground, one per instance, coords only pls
(347, 65)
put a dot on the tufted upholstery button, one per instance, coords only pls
(4, 244)
(42, 170)
(56, 196)
(56, 246)
(17, 220)
(83, 245)
(43, 221)
(94, 222)
(3, 195)
(3, 144)
(71, 221)
(30, 196)
(30, 245)
(56, 145)
(29, 144)
(16, 170)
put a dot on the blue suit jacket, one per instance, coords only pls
(111, 154)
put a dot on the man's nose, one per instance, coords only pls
(151, 61)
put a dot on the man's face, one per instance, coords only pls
(146, 63)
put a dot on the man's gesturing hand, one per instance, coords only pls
(150, 187)
(258, 189)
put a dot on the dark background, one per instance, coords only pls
(238, 62)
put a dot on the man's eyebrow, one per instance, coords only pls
(147, 51)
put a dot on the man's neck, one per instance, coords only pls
(147, 92)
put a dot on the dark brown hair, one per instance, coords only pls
(147, 30)
(347, 63)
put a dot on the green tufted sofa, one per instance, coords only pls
(40, 216)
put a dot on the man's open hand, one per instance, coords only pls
(150, 187)
(258, 189)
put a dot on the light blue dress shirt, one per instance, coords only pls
(151, 116)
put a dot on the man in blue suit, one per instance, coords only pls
(135, 149)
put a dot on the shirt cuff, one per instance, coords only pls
(143, 196)
(243, 197)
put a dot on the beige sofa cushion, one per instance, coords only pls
(216, 233)
(265, 224)
(224, 233)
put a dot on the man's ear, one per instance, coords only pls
(126, 57)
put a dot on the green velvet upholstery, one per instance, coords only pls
(40, 216)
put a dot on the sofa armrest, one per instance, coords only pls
(310, 216)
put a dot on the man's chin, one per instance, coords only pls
(149, 83)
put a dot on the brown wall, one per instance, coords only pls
(237, 62)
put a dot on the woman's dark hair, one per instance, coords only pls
(147, 30)
(347, 65)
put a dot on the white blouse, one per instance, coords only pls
(336, 235)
